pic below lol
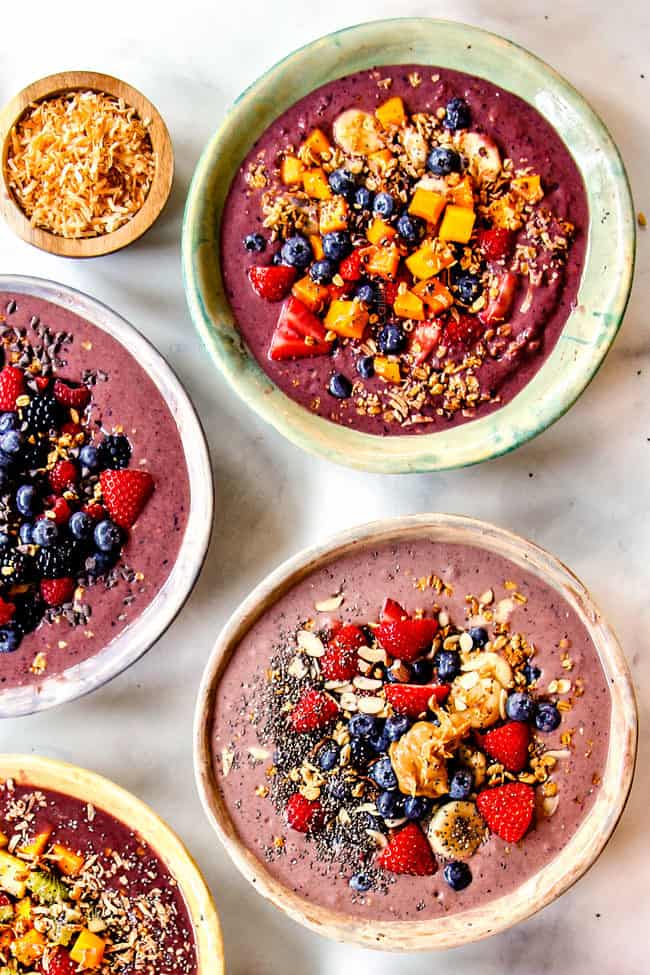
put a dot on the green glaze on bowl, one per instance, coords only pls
(606, 279)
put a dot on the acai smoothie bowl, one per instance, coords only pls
(416, 734)
(409, 246)
(106, 495)
(85, 889)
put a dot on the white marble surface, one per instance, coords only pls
(581, 489)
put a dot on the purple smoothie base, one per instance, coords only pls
(521, 133)
(366, 578)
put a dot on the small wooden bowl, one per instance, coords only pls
(46, 773)
(492, 917)
(67, 81)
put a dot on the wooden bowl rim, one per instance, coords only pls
(64, 81)
(48, 773)
(561, 872)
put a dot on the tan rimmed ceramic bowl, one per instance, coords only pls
(45, 773)
(552, 880)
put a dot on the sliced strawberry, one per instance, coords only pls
(12, 385)
(298, 333)
(61, 509)
(304, 815)
(508, 745)
(75, 396)
(391, 612)
(464, 332)
(96, 511)
(508, 809)
(57, 591)
(413, 699)
(58, 962)
(337, 291)
(340, 661)
(351, 266)
(425, 338)
(408, 851)
(42, 382)
(406, 639)
(72, 428)
(63, 475)
(125, 493)
(7, 611)
(272, 283)
(313, 710)
(496, 244)
(498, 307)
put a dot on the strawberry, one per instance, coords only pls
(340, 659)
(96, 511)
(57, 591)
(391, 611)
(507, 809)
(408, 851)
(63, 474)
(406, 639)
(71, 428)
(464, 332)
(7, 611)
(58, 963)
(298, 333)
(61, 509)
(125, 494)
(272, 283)
(304, 815)
(337, 291)
(42, 382)
(425, 337)
(12, 385)
(75, 396)
(313, 710)
(496, 244)
(498, 307)
(350, 267)
(508, 745)
(413, 699)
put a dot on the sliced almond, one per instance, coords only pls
(338, 686)
(227, 758)
(349, 701)
(374, 655)
(563, 686)
(367, 683)
(504, 610)
(550, 804)
(487, 597)
(258, 754)
(466, 643)
(297, 668)
(370, 705)
(310, 643)
(330, 604)
(443, 618)
(558, 753)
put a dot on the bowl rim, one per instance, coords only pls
(468, 443)
(80, 783)
(145, 630)
(159, 191)
(560, 873)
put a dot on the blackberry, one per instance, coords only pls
(55, 561)
(33, 455)
(29, 613)
(42, 414)
(114, 452)
(19, 564)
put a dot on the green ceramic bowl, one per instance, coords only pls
(606, 278)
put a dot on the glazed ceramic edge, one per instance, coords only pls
(563, 871)
(147, 628)
(606, 279)
(48, 773)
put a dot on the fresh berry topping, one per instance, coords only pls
(272, 283)
(500, 303)
(508, 745)
(461, 784)
(410, 228)
(442, 160)
(12, 385)
(417, 807)
(421, 671)
(255, 243)
(323, 271)
(547, 717)
(390, 804)
(59, 963)
(342, 183)
(384, 205)
(360, 882)
(363, 725)
(447, 664)
(508, 810)
(479, 636)
(108, 536)
(114, 452)
(304, 815)
(340, 661)
(366, 294)
(396, 726)
(391, 340)
(463, 332)
(496, 244)
(520, 706)
(339, 386)
(468, 288)
(407, 639)
(296, 252)
(57, 591)
(328, 756)
(26, 499)
(15, 567)
(383, 774)
(351, 267)
(75, 396)
(81, 526)
(42, 414)
(9, 638)
(42, 383)
(412, 700)
(457, 115)
(391, 611)
(457, 874)
(298, 333)
(55, 561)
(314, 710)
(125, 494)
(7, 611)
(64, 474)
(336, 245)
(408, 852)
(363, 198)
(531, 673)
(61, 510)
(89, 457)
(95, 511)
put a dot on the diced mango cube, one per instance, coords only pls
(24, 910)
(316, 185)
(348, 318)
(291, 170)
(379, 231)
(68, 862)
(391, 112)
(29, 947)
(434, 295)
(383, 261)
(317, 246)
(333, 215)
(311, 294)
(408, 305)
(88, 950)
(387, 369)
(429, 259)
(36, 846)
(318, 143)
(3, 841)
(457, 224)
(528, 187)
(505, 213)
(462, 194)
(380, 161)
(427, 204)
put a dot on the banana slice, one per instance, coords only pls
(437, 184)
(489, 664)
(456, 830)
(477, 697)
(483, 156)
(357, 133)
(415, 147)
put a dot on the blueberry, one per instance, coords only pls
(323, 271)
(366, 366)
(380, 741)
(297, 252)
(45, 533)
(255, 243)
(365, 293)
(396, 726)
(468, 288)
(390, 805)
(443, 161)
(479, 636)
(5, 460)
(9, 639)
(447, 663)
(340, 386)
(520, 706)
(81, 525)
(276, 259)
(547, 717)
(337, 245)
(391, 339)
(11, 442)
(108, 536)
(416, 807)
(363, 725)
(404, 674)
(4, 540)
(458, 875)
(384, 205)
(531, 673)
(360, 882)
(99, 563)
(461, 784)
(361, 752)
(89, 457)
(26, 533)
(328, 756)
(457, 115)
(382, 773)
(421, 671)
(26, 498)
(342, 182)
(8, 421)
(363, 198)
(410, 228)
